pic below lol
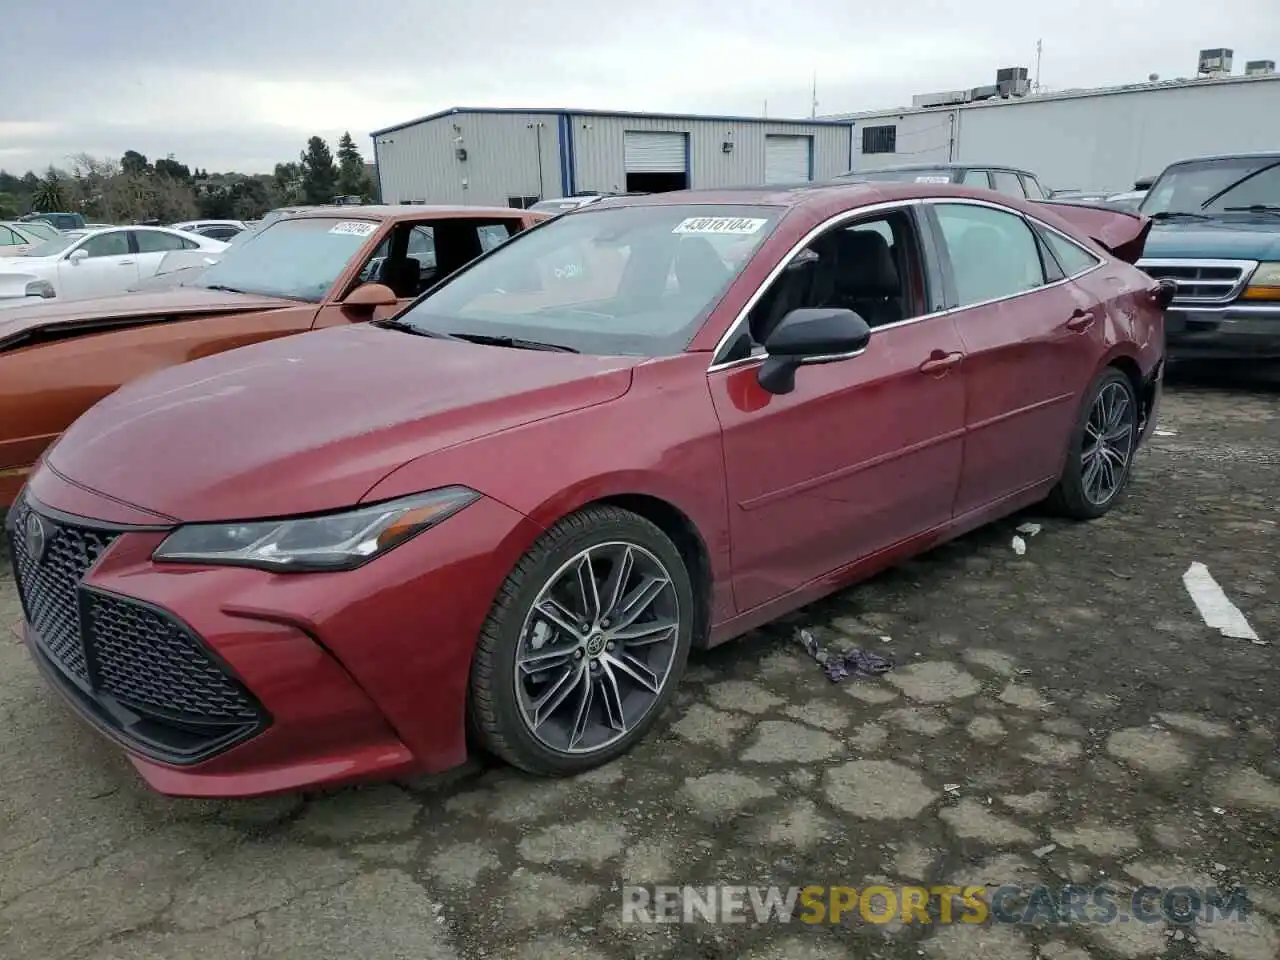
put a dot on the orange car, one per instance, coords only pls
(314, 268)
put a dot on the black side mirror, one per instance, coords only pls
(810, 336)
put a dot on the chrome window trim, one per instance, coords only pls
(848, 215)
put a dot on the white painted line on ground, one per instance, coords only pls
(1215, 607)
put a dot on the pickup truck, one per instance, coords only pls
(1216, 234)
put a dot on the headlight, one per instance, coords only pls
(1265, 283)
(40, 288)
(335, 541)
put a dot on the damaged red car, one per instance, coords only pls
(511, 510)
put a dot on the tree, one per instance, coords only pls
(319, 178)
(50, 195)
(10, 206)
(353, 181)
(171, 168)
(288, 183)
(134, 162)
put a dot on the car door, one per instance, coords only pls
(111, 266)
(864, 453)
(1023, 353)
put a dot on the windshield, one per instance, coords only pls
(51, 248)
(1215, 186)
(295, 259)
(938, 175)
(627, 280)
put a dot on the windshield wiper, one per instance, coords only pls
(407, 327)
(218, 286)
(514, 342)
(1236, 183)
(1171, 214)
(1254, 208)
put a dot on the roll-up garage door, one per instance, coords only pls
(786, 159)
(646, 152)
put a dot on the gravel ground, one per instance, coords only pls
(1059, 716)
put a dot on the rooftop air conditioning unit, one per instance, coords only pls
(1215, 62)
(1013, 82)
(1259, 68)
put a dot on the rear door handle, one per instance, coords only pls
(940, 361)
(1081, 321)
(126, 263)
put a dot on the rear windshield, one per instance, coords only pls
(636, 280)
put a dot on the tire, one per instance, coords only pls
(502, 695)
(1075, 496)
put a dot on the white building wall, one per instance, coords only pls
(598, 149)
(418, 163)
(1095, 140)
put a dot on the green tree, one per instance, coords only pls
(171, 168)
(10, 206)
(134, 162)
(288, 183)
(353, 181)
(319, 178)
(50, 195)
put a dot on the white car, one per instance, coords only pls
(98, 263)
(17, 238)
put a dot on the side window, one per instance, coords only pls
(494, 235)
(8, 238)
(871, 267)
(993, 252)
(1007, 183)
(977, 178)
(151, 241)
(422, 246)
(1073, 258)
(113, 244)
(1032, 186)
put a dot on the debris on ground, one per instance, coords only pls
(1019, 546)
(951, 787)
(1216, 609)
(850, 663)
(1030, 529)
(1166, 433)
(1043, 852)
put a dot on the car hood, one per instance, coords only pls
(1226, 239)
(311, 423)
(180, 301)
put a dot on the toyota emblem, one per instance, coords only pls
(36, 537)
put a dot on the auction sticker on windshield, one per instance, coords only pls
(741, 226)
(357, 228)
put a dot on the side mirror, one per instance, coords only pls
(810, 336)
(370, 296)
(75, 256)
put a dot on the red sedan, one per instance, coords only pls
(516, 506)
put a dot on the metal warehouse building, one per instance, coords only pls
(1101, 139)
(515, 157)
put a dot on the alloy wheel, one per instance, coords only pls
(596, 648)
(1108, 443)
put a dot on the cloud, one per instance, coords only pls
(241, 84)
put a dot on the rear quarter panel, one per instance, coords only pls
(46, 386)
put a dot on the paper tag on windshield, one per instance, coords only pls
(739, 226)
(357, 228)
(933, 179)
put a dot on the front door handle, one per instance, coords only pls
(126, 263)
(1081, 321)
(939, 362)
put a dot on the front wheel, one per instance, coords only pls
(1100, 456)
(584, 645)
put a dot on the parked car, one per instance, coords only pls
(17, 238)
(1217, 236)
(223, 230)
(95, 263)
(317, 269)
(62, 221)
(518, 503)
(1007, 180)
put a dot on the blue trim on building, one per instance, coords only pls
(566, 171)
(573, 155)
(688, 161)
(851, 142)
(377, 168)
(812, 149)
(608, 113)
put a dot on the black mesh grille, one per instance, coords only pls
(48, 588)
(149, 661)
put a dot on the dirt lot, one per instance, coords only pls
(1070, 697)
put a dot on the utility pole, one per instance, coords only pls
(1039, 51)
(814, 112)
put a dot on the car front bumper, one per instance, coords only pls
(235, 682)
(1238, 331)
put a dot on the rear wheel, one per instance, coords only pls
(1100, 457)
(584, 646)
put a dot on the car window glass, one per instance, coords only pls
(977, 178)
(155, 242)
(8, 238)
(993, 252)
(493, 235)
(1007, 183)
(112, 244)
(1074, 258)
(1032, 186)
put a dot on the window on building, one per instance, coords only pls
(993, 253)
(522, 203)
(880, 139)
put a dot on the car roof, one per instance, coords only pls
(942, 165)
(1259, 155)
(399, 211)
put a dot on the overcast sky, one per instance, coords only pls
(241, 84)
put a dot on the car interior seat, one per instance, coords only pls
(866, 278)
(402, 275)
